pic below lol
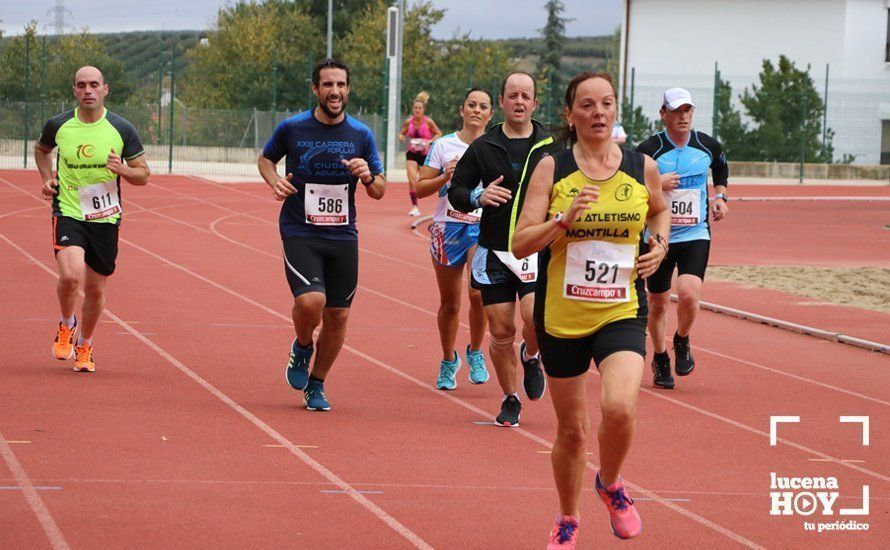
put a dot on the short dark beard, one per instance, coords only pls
(327, 110)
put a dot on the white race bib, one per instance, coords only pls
(685, 206)
(99, 200)
(525, 268)
(454, 215)
(417, 144)
(326, 204)
(598, 271)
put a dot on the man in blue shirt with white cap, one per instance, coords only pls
(684, 157)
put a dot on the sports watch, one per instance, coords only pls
(722, 196)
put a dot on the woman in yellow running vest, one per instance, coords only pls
(586, 211)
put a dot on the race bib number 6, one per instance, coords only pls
(685, 206)
(526, 269)
(598, 271)
(326, 204)
(99, 200)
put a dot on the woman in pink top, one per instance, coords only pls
(419, 130)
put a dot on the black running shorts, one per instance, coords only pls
(98, 240)
(416, 156)
(690, 258)
(322, 265)
(568, 357)
(495, 281)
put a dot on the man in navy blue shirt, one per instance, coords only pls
(327, 153)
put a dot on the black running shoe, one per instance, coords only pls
(533, 380)
(509, 417)
(685, 362)
(662, 373)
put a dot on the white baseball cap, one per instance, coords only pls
(676, 97)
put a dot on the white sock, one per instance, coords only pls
(81, 341)
(516, 395)
(68, 321)
(526, 357)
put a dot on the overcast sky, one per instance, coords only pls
(482, 18)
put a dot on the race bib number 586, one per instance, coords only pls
(326, 204)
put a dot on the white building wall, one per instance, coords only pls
(866, 38)
(679, 47)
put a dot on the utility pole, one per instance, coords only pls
(59, 11)
(330, 28)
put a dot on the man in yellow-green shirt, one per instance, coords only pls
(96, 148)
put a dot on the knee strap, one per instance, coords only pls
(502, 343)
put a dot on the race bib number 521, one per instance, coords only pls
(597, 271)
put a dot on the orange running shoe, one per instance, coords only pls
(63, 345)
(84, 361)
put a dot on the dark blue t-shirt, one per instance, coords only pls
(314, 152)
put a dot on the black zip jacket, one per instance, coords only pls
(486, 159)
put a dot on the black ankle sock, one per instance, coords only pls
(662, 357)
(678, 338)
(316, 379)
(301, 346)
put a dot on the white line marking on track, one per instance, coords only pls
(381, 514)
(684, 512)
(794, 376)
(691, 515)
(36, 488)
(34, 501)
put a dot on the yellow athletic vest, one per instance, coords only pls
(587, 277)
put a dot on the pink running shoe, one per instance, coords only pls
(564, 533)
(623, 516)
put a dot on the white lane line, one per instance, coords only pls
(381, 514)
(794, 376)
(689, 514)
(412, 306)
(34, 501)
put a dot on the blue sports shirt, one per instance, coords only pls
(314, 151)
(689, 222)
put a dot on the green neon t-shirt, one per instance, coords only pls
(88, 191)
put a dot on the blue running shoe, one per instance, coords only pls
(297, 371)
(447, 373)
(315, 398)
(478, 372)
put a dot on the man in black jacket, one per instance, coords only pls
(503, 161)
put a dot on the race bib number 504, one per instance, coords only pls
(598, 271)
(685, 206)
(326, 204)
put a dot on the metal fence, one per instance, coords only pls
(856, 111)
(191, 140)
(180, 140)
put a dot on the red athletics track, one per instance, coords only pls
(187, 436)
